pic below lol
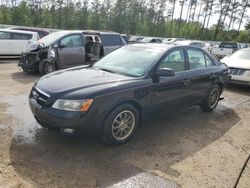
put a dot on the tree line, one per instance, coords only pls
(136, 17)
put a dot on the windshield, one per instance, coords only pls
(49, 39)
(129, 60)
(241, 54)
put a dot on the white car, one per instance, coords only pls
(239, 66)
(12, 42)
(200, 44)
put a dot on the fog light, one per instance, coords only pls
(68, 131)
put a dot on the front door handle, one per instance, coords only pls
(186, 82)
(213, 75)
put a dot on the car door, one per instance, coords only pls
(201, 74)
(71, 51)
(170, 93)
(111, 42)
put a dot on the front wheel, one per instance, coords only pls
(46, 67)
(120, 124)
(212, 99)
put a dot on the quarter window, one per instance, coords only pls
(209, 61)
(175, 60)
(72, 41)
(196, 59)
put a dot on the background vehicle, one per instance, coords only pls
(41, 32)
(239, 66)
(172, 40)
(61, 49)
(224, 49)
(12, 42)
(143, 80)
(151, 40)
(110, 40)
(200, 44)
(135, 39)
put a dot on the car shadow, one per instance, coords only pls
(24, 78)
(240, 89)
(51, 160)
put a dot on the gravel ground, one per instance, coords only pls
(188, 149)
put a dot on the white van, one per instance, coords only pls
(12, 42)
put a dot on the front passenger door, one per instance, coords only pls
(73, 51)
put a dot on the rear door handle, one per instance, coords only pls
(186, 82)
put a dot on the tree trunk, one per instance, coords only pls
(172, 19)
(179, 24)
(242, 15)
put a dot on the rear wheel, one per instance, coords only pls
(120, 124)
(212, 99)
(46, 67)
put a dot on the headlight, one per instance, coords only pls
(51, 53)
(73, 105)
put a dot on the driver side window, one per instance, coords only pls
(175, 60)
(72, 41)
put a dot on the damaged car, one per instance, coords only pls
(60, 50)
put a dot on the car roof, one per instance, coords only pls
(18, 31)
(69, 31)
(157, 46)
(28, 28)
(100, 32)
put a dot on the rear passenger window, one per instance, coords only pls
(4, 35)
(111, 40)
(21, 36)
(175, 60)
(196, 59)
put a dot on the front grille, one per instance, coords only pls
(40, 97)
(236, 71)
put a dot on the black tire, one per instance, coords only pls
(30, 65)
(111, 127)
(211, 99)
(46, 66)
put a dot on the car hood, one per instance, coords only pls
(32, 46)
(236, 63)
(74, 79)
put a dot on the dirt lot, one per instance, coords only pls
(187, 149)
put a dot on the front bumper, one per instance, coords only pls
(238, 79)
(29, 60)
(55, 119)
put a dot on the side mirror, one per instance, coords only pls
(62, 45)
(165, 72)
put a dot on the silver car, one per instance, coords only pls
(239, 66)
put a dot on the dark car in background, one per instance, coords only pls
(62, 49)
(129, 85)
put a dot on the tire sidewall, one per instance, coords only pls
(107, 126)
(42, 66)
(205, 105)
